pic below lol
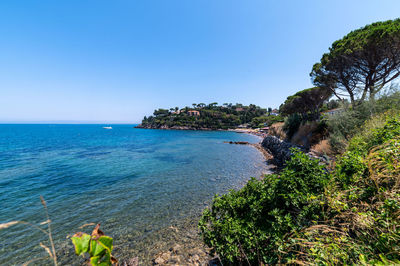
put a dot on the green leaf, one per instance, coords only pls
(101, 260)
(98, 246)
(81, 243)
(106, 242)
(94, 261)
(95, 248)
(384, 259)
(363, 260)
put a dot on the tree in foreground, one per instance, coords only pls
(361, 63)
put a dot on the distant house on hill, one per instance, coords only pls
(333, 111)
(274, 112)
(193, 113)
(239, 109)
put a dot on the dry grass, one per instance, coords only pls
(52, 252)
(384, 164)
(321, 236)
(378, 121)
(366, 213)
(277, 131)
(322, 148)
(9, 224)
(304, 134)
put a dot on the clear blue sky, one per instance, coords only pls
(116, 61)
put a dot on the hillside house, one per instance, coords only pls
(333, 111)
(274, 112)
(193, 113)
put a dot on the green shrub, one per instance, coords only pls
(389, 131)
(292, 124)
(364, 223)
(251, 224)
(376, 131)
(350, 168)
(261, 121)
(345, 125)
(322, 127)
(303, 216)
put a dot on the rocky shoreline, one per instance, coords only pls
(275, 152)
(194, 252)
(189, 249)
(280, 150)
(182, 244)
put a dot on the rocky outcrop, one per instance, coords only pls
(279, 149)
(237, 142)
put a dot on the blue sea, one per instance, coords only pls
(145, 187)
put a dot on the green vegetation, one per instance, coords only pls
(342, 126)
(362, 63)
(292, 124)
(307, 102)
(209, 116)
(305, 106)
(365, 201)
(308, 215)
(266, 120)
(250, 225)
(97, 245)
(346, 212)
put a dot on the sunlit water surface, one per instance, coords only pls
(137, 183)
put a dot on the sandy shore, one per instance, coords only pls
(250, 131)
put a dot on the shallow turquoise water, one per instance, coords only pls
(134, 182)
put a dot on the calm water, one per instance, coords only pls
(135, 182)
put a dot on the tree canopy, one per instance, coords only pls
(361, 63)
(210, 116)
(308, 100)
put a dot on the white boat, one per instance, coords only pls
(107, 127)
